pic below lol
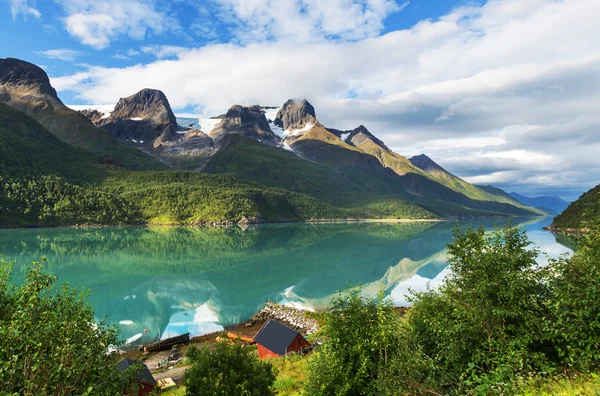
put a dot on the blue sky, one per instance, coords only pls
(501, 92)
(33, 36)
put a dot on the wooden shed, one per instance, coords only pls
(145, 381)
(275, 339)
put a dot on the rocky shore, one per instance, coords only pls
(292, 317)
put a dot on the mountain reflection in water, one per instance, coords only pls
(175, 280)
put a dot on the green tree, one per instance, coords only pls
(49, 344)
(362, 336)
(575, 305)
(485, 324)
(223, 370)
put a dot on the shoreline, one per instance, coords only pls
(225, 223)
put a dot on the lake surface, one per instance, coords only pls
(197, 280)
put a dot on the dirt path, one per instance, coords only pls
(175, 373)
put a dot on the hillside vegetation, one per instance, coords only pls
(583, 213)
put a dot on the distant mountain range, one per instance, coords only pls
(283, 154)
(551, 205)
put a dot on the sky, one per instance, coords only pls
(500, 92)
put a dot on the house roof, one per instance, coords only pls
(143, 374)
(275, 337)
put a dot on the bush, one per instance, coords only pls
(225, 369)
(575, 306)
(486, 322)
(362, 336)
(48, 341)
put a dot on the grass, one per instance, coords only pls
(291, 374)
(582, 385)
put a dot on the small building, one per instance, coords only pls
(275, 339)
(143, 376)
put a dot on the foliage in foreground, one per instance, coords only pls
(224, 369)
(362, 336)
(48, 342)
(496, 325)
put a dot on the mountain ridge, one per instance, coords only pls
(352, 172)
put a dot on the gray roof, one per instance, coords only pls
(143, 374)
(276, 337)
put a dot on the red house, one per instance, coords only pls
(143, 376)
(275, 339)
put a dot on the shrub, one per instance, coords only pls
(225, 369)
(575, 306)
(362, 336)
(48, 341)
(486, 322)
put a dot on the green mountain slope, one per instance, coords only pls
(26, 147)
(276, 167)
(26, 87)
(583, 213)
(343, 175)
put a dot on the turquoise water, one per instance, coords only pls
(174, 280)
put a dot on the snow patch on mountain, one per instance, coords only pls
(203, 124)
(296, 132)
(344, 136)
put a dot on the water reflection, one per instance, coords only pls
(173, 280)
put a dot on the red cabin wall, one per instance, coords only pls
(144, 388)
(298, 344)
(265, 353)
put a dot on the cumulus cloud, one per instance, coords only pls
(305, 20)
(64, 54)
(97, 23)
(22, 7)
(503, 93)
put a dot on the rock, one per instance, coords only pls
(26, 80)
(291, 317)
(93, 115)
(110, 160)
(295, 114)
(247, 121)
(144, 117)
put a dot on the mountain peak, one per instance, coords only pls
(245, 120)
(295, 114)
(26, 78)
(425, 163)
(143, 116)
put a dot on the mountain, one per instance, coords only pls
(143, 117)
(555, 204)
(583, 213)
(348, 168)
(295, 114)
(26, 87)
(284, 167)
(479, 193)
(246, 121)
(26, 147)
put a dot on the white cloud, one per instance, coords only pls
(18, 7)
(163, 51)
(304, 20)
(97, 23)
(64, 54)
(516, 78)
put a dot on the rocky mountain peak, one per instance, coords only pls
(144, 116)
(425, 163)
(362, 134)
(248, 121)
(295, 114)
(26, 79)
